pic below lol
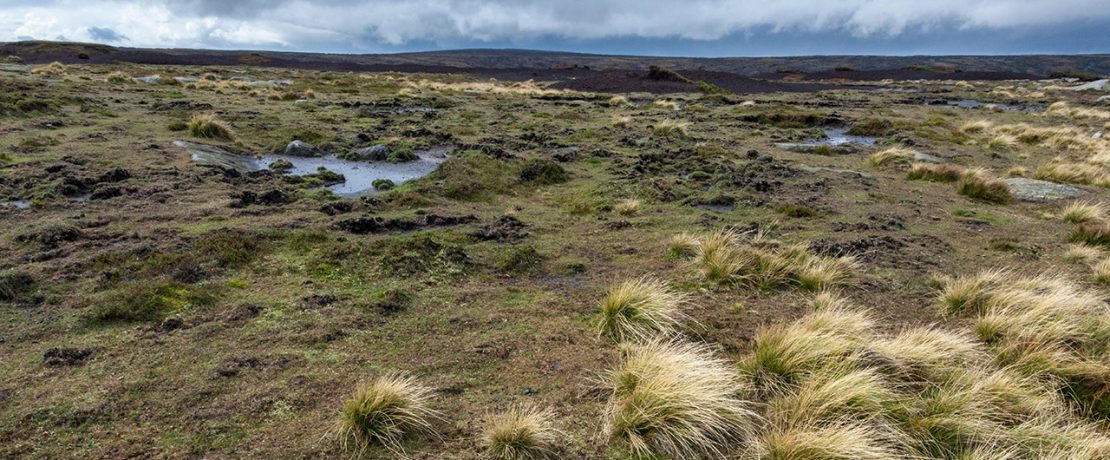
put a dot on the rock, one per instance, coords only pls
(926, 158)
(1097, 85)
(150, 79)
(300, 102)
(210, 155)
(373, 153)
(1039, 190)
(300, 148)
(817, 149)
(860, 174)
(184, 80)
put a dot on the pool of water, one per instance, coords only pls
(17, 204)
(974, 104)
(359, 174)
(838, 136)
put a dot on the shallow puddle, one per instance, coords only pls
(360, 175)
(17, 204)
(839, 136)
(974, 104)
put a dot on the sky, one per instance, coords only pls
(637, 27)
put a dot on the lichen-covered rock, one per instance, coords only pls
(1040, 190)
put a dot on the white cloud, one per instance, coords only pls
(290, 23)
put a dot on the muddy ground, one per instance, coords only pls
(175, 310)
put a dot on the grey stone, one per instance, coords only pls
(1039, 190)
(299, 148)
(926, 158)
(373, 153)
(1097, 85)
(151, 79)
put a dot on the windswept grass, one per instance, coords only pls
(1074, 173)
(53, 69)
(893, 155)
(1079, 212)
(640, 309)
(977, 183)
(628, 206)
(209, 127)
(383, 414)
(726, 258)
(1044, 326)
(521, 433)
(934, 173)
(676, 400)
(671, 129)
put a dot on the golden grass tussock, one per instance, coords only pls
(784, 355)
(671, 128)
(665, 104)
(893, 155)
(628, 206)
(617, 101)
(1042, 326)
(1078, 212)
(53, 69)
(490, 87)
(524, 432)
(979, 184)
(1074, 173)
(1102, 271)
(640, 309)
(383, 413)
(621, 121)
(934, 172)
(1095, 233)
(677, 400)
(209, 127)
(727, 258)
(1082, 252)
(1065, 109)
(976, 127)
(119, 77)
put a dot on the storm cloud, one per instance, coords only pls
(715, 27)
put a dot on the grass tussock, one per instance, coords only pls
(1064, 109)
(640, 309)
(894, 155)
(1081, 252)
(835, 388)
(383, 413)
(1074, 173)
(521, 433)
(671, 129)
(979, 184)
(53, 69)
(209, 127)
(1042, 326)
(934, 172)
(628, 206)
(1079, 212)
(1101, 271)
(119, 77)
(676, 400)
(1092, 233)
(729, 259)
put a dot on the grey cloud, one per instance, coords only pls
(106, 34)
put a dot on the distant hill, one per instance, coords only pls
(514, 63)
